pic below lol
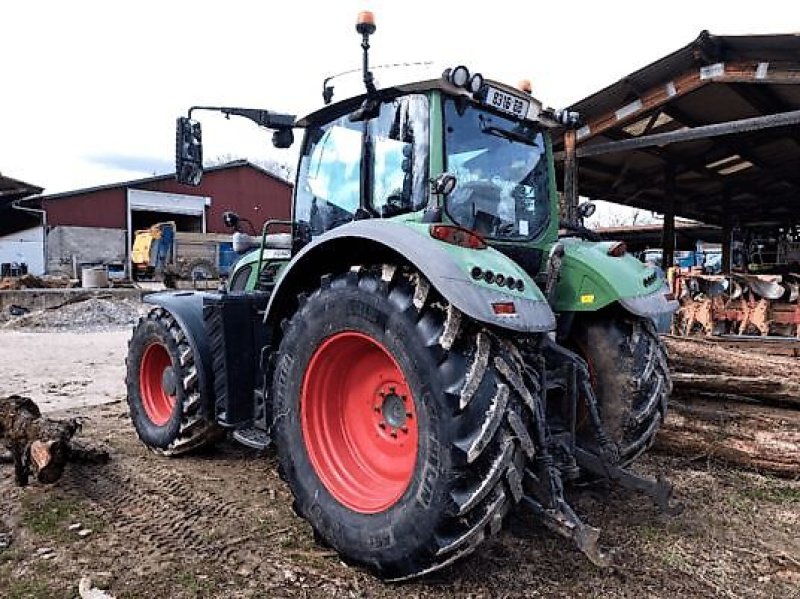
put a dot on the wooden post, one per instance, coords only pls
(726, 232)
(570, 177)
(668, 236)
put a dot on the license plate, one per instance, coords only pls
(506, 102)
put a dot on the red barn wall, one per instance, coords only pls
(244, 189)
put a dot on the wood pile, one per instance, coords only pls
(740, 406)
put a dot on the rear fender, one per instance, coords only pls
(446, 266)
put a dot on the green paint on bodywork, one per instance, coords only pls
(251, 259)
(436, 128)
(591, 279)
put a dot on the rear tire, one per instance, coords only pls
(630, 377)
(163, 388)
(407, 512)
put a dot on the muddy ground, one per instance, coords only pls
(220, 524)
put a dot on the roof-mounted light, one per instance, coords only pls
(365, 23)
(458, 76)
(475, 83)
(524, 85)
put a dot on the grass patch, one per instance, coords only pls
(30, 589)
(51, 516)
(779, 495)
(193, 586)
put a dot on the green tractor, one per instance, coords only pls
(423, 349)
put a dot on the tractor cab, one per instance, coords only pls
(490, 142)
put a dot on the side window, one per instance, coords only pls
(399, 137)
(330, 176)
(239, 280)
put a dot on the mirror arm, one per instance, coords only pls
(262, 118)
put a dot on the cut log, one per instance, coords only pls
(758, 387)
(39, 446)
(688, 355)
(753, 436)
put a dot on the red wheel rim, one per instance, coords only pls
(359, 422)
(157, 384)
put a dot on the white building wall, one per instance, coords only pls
(24, 246)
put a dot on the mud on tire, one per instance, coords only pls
(471, 408)
(630, 376)
(163, 388)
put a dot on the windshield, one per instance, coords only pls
(501, 168)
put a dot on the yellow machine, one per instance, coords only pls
(153, 249)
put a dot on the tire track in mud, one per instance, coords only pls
(166, 509)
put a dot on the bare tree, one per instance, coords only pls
(282, 170)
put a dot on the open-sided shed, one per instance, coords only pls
(710, 132)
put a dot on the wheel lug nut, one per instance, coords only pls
(382, 425)
(377, 408)
(404, 429)
(394, 433)
(409, 414)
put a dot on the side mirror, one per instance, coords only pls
(586, 209)
(188, 152)
(444, 184)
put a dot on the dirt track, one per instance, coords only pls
(221, 524)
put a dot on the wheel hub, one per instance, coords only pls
(393, 411)
(169, 382)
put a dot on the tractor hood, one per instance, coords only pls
(592, 279)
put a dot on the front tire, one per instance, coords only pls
(163, 388)
(400, 425)
(630, 377)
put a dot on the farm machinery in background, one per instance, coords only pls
(761, 295)
(423, 349)
(161, 253)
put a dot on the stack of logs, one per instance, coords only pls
(742, 406)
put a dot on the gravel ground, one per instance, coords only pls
(94, 314)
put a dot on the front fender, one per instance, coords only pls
(446, 266)
(187, 309)
(590, 280)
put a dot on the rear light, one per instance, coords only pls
(618, 249)
(457, 236)
(504, 308)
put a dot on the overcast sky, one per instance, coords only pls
(89, 91)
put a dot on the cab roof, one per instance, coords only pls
(326, 113)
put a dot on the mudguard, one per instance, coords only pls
(591, 279)
(446, 266)
(187, 308)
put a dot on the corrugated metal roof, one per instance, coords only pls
(705, 50)
(749, 178)
(14, 189)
